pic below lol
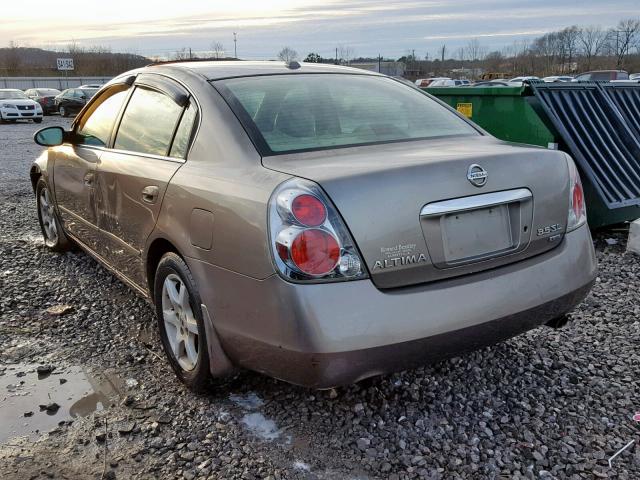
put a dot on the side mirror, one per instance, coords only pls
(49, 136)
(83, 97)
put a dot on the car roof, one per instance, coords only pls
(215, 70)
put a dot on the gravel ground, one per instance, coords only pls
(548, 404)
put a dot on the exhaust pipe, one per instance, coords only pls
(558, 322)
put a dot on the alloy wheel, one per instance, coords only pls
(47, 214)
(180, 324)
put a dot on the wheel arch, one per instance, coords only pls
(157, 248)
(34, 174)
(219, 363)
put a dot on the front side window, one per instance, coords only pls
(94, 128)
(148, 123)
(314, 111)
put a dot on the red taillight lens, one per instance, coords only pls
(578, 200)
(315, 252)
(308, 210)
(577, 211)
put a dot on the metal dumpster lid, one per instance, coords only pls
(594, 120)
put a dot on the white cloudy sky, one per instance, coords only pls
(369, 27)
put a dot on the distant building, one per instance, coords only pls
(393, 69)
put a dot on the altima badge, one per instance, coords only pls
(477, 175)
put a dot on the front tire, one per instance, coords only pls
(37, 120)
(54, 236)
(181, 323)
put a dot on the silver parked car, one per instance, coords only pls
(316, 223)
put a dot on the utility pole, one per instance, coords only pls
(190, 55)
(336, 56)
(379, 61)
(413, 59)
(235, 45)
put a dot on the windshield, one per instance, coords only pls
(11, 94)
(286, 113)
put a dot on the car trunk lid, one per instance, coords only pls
(417, 217)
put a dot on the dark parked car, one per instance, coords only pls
(602, 75)
(72, 100)
(45, 97)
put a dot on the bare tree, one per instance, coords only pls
(592, 40)
(568, 40)
(218, 50)
(13, 58)
(475, 51)
(346, 54)
(622, 38)
(287, 55)
(182, 54)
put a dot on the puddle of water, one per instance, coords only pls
(261, 426)
(78, 394)
(304, 467)
(250, 401)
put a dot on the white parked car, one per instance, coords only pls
(558, 78)
(425, 82)
(15, 105)
(520, 80)
(448, 82)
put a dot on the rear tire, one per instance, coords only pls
(181, 323)
(63, 111)
(54, 237)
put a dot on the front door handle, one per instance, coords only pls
(89, 178)
(150, 194)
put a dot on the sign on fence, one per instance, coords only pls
(65, 63)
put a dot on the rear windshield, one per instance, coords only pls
(89, 92)
(48, 91)
(300, 112)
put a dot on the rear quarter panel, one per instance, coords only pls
(223, 175)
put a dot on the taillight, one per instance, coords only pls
(309, 210)
(577, 209)
(309, 239)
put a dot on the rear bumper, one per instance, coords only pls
(333, 334)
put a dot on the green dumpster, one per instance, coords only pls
(504, 112)
(578, 118)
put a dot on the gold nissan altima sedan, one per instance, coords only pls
(316, 223)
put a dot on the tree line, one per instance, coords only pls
(570, 50)
(17, 61)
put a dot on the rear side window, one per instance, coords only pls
(96, 125)
(184, 133)
(148, 123)
(287, 113)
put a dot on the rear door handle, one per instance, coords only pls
(150, 194)
(89, 178)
